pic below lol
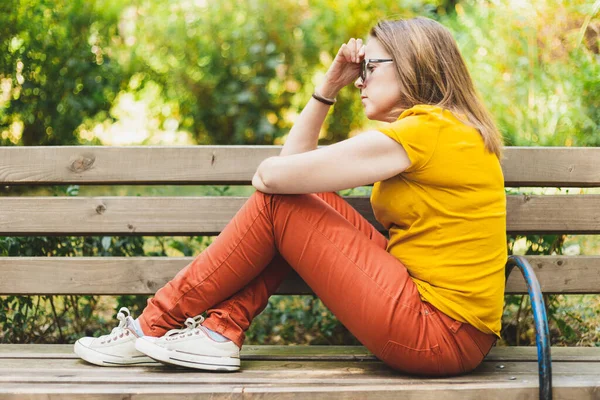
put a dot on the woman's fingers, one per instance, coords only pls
(345, 52)
(353, 51)
(348, 49)
(357, 48)
(344, 69)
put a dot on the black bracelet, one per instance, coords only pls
(323, 100)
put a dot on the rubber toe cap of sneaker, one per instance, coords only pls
(86, 341)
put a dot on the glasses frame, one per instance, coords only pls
(363, 66)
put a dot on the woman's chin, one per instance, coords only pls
(371, 115)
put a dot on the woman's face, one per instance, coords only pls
(380, 93)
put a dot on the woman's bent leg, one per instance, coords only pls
(165, 311)
(368, 289)
(232, 317)
(238, 255)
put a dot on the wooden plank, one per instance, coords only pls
(116, 215)
(323, 353)
(560, 275)
(563, 214)
(267, 372)
(132, 164)
(145, 275)
(73, 378)
(552, 166)
(64, 377)
(198, 392)
(280, 392)
(127, 215)
(523, 166)
(209, 215)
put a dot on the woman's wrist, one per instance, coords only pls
(327, 90)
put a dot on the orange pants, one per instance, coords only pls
(343, 258)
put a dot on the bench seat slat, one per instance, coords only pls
(145, 275)
(282, 379)
(566, 388)
(323, 353)
(267, 371)
(209, 215)
(36, 165)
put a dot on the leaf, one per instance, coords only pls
(73, 190)
(106, 241)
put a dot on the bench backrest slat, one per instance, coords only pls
(145, 275)
(209, 215)
(523, 166)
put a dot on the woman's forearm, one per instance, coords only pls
(304, 134)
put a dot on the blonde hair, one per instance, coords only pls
(432, 71)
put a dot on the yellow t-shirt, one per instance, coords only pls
(446, 215)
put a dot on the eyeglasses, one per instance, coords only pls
(363, 66)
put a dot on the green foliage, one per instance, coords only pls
(239, 68)
(540, 82)
(298, 320)
(233, 72)
(55, 67)
(226, 75)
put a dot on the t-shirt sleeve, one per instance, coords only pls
(417, 135)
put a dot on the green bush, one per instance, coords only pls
(54, 72)
(537, 77)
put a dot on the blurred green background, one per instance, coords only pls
(188, 72)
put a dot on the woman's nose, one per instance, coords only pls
(359, 83)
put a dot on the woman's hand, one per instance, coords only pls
(345, 68)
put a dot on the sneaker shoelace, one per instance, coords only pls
(191, 328)
(119, 331)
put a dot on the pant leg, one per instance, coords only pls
(233, 317)
(368, 290)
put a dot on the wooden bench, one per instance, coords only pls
(283, 372)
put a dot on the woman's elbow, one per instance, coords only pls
(259, 183)
(262, 179)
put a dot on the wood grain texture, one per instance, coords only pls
(522, 166)
(73, 378)
(560, 214)
(267, 371)
(209, 215)
(552, 166)
(116, 215)
(318, 353)
(145, 275)
(132, 164)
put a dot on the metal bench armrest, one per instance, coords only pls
(542, 333)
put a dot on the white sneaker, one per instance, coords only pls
(191, 347)
(117, 348)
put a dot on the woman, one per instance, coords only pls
(427, 301)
